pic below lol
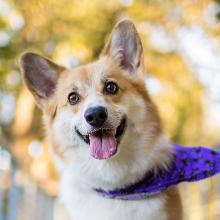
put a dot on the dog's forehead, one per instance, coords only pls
(87, 76)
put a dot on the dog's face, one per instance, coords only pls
(100, 110)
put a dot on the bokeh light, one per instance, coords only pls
(182, 52)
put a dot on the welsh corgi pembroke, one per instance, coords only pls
(104, 130)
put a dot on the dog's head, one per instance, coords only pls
(100, 110)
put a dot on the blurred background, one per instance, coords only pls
(182, 54)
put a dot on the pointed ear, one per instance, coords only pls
(125, 44)
(40, 75)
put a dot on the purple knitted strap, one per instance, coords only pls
(190, 164)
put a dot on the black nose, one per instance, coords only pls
(96, 116)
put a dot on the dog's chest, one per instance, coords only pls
(85, 205)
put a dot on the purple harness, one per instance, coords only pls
(190, 164)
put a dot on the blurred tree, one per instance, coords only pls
(73, 32)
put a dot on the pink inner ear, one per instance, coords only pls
(46, 85)
(126, 43)
(41, 80)
(126, 65)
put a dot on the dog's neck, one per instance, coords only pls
(121, 170)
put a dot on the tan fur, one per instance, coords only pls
(173, 204)
(129, 86)
(92, 75)
(88, 81)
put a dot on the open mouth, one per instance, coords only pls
(103, 142)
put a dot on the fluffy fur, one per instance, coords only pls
(143, 146)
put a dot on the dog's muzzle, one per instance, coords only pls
(104, 141)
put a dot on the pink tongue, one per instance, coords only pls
(102, 146)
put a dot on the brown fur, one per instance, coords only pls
(91, 78)
(174, 205)
(93, 75)
(132, 86)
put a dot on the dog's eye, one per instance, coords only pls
(111, 88)
(73, 98)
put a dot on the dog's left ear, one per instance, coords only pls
(125, 45)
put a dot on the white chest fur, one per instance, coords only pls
(83, 204)
(83, 173)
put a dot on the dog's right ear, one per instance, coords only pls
(40, 75)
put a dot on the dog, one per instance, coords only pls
(104, 129)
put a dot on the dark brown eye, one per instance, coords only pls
(73, 98)
(111, 88)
